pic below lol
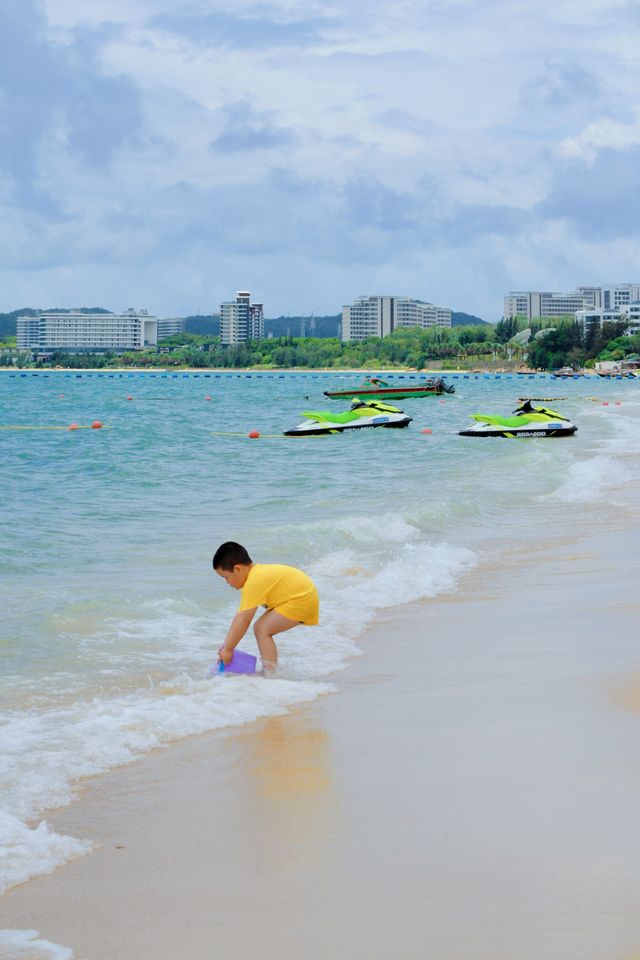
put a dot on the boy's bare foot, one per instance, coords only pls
(269, 668)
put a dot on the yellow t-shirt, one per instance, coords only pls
(284, 589)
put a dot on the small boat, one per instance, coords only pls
(614, 373)
(374, 388)
(363, 414)
(526, 421)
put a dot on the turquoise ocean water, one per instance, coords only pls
(110, 612)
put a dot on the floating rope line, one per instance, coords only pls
(263, 436)
(555, 399)
(20, 426)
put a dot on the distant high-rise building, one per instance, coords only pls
(378, 316)
(632, 314)
(617, 295)
(593, 295)
(417, 313)
(78, 332)
(592, 320)
(27, 332)
(241, 320)
(170, 326)
(532, 304)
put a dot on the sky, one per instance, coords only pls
(163, 154)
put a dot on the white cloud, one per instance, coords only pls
(605, 134)
(588, 11)
(413, 141)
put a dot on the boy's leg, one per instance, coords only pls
(265, 628)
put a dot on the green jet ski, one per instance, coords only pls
(363, 414)
(526, 421)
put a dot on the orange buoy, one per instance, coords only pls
(96, 425)
(207, 398)
(73, 426)
(426, 430)
(254, 434)
(129, 398)
(605, 403)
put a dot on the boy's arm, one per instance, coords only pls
(237, 630)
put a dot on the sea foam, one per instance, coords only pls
(44, 752)
(27, 852)
(27, 945)
(587, 480)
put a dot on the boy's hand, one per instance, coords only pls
(225, 655)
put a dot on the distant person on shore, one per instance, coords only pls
(289, 595)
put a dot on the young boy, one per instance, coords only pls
(288, 594)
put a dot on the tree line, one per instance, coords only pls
(560, 342)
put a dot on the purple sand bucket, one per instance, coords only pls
(240, 663)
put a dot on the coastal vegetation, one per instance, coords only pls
(565, 343)
(553, 343)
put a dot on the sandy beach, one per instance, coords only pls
(468, 793)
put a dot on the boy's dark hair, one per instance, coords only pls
(229, 554)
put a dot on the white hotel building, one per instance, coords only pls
(87, 332)
(633, 316)
(593, 319)
(618, 296)
(532, 304)
(537, 304)
(241, 320)
(379, 316)
(170, 326)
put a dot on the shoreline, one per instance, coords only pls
(587, 374)
(464, 795)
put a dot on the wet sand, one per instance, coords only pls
(470, 793)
